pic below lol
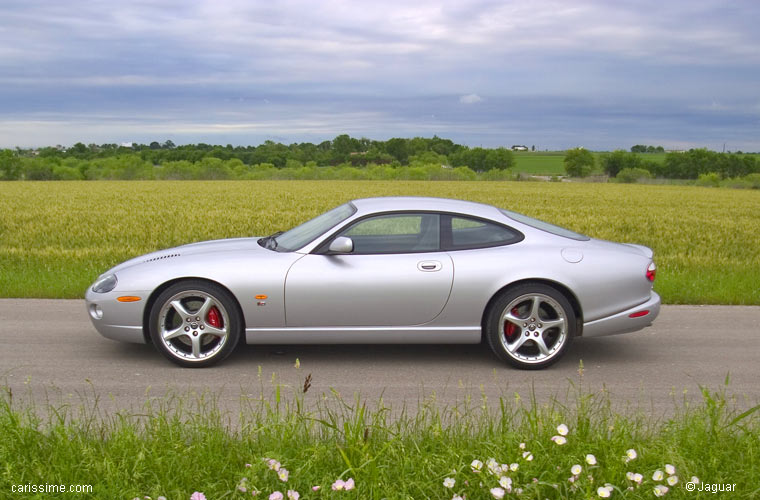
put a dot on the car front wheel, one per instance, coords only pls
(195, 323)
(530, 326)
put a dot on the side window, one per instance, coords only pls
(395, 233)
(476, 233)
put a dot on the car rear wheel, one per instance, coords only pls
(195, 323)
(530, 326)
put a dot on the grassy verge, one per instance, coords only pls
(180, 445)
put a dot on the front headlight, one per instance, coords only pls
(105, 284)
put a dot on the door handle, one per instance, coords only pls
(429, 266)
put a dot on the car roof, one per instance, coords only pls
(423, 203)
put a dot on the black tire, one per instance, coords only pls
(195, 323)
(530, 326)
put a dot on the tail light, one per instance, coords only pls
(651, 271)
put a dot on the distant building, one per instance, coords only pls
(517, 147)
(126, 144)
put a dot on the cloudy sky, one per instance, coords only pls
(554, 74)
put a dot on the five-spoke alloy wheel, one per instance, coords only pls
(530, 326)
(195, 323)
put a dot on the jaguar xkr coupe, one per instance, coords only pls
(383, 270)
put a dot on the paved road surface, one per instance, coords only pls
(49, 351)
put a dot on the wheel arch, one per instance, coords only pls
(160, 288)
(565, 291)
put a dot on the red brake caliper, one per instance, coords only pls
(509, 327)
(214, 318)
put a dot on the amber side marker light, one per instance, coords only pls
(638, 314)
(128, 298)
(261, 297)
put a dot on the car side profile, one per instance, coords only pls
(401, 270)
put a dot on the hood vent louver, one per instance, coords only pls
(162, 257)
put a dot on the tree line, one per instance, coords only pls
(345, 157)
(690, 164)
(166, 160)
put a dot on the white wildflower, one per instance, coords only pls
(560, 440)
(506, 483)
(498, 493)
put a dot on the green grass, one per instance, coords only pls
(539, 163)
(56, 237)
(179, 444)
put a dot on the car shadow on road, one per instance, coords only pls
(608, 351)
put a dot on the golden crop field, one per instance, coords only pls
(56, 237)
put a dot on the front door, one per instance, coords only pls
(396, 276)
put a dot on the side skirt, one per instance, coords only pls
(364, 335)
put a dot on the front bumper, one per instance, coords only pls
(622, 321)
(122, 321)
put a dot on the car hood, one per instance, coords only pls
(200, 248)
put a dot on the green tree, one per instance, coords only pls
(498, 159)
(10, 165)
(618, 160)
(427, 158)
(79, 150)
(631, 175)
(343, 145)
(579, 162)
(37, 169)
(690, 165)
(397, 148)
(442, 146)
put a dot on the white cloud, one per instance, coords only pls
(470, 99)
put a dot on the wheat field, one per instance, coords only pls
(56, 237)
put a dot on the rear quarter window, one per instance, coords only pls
(466, 232)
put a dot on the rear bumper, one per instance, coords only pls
(622, 322)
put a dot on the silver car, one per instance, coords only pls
(383, 270)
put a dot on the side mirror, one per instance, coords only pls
(341, 244)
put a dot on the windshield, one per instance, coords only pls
(544, 226)
(309, 230)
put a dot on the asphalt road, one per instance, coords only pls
(49, 352)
